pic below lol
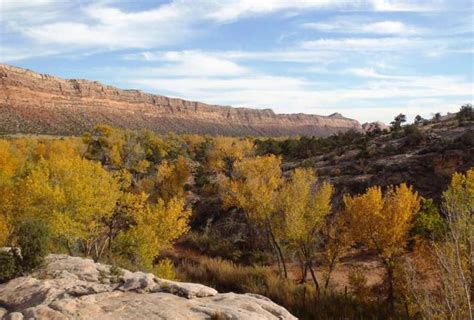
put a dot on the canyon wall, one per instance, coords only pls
(42, 104)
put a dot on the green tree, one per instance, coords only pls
(465, 114)
(32, 237)
(398, 121)
(428, 223)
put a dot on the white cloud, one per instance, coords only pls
(10, 54)
(406, 5)
(31, 11)
(284, 55)
(92, 25)
(192, 64)
(387, 27)
(372, 73)
(229, 11)
(225, 11)
(365, 44)
(359, 25)
(109, 27)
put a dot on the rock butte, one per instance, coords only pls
(76, 288)
(41, 104)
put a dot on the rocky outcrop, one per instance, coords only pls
(376, 126)
(43, 104)
(75, 288)
(386, 160)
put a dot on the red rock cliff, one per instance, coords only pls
(37, 103)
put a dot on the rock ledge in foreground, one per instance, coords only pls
(76, 288)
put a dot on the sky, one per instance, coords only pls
(366, 59)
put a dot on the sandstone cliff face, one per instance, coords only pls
(75, 288)
(38, 103)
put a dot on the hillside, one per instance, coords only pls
(42, 104)
(424, 156)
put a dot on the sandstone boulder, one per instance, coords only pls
(76, 288)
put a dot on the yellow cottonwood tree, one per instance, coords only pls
(226, 150)
(382, 223)
(11, 160)
(154, 228)
(304, 212)
(253, 187)
(172, 177)
(74, 195)
(105, 144)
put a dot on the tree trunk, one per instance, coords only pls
(304, 269)
(277, 246)
(309, 265)
(391, 296)
(332, 266)
(275, 252)
(313, 276)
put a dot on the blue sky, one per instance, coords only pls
(367, 59)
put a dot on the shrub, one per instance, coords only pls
(8, 266)
(465, 114)
(466, 139)
(165, 269)
(32, 239)
(300, 299)
(390, 149)
(414, 137)
(358, 285)
(428, 223)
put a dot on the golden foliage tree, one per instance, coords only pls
(382, 223)
(304, 212)
(253, 187)
(153, 228)
(9, 165)
(74, 195)
(226, 150)
(172, 177)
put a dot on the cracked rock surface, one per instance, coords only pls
(76, 288)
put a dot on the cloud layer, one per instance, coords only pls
(312, 56)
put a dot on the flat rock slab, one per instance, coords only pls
(75, 288)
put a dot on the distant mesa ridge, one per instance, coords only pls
(37, 103)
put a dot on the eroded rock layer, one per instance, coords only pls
(41, 104)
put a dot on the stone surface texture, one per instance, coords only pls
(76, 288)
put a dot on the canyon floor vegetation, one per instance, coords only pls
(257, 214)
